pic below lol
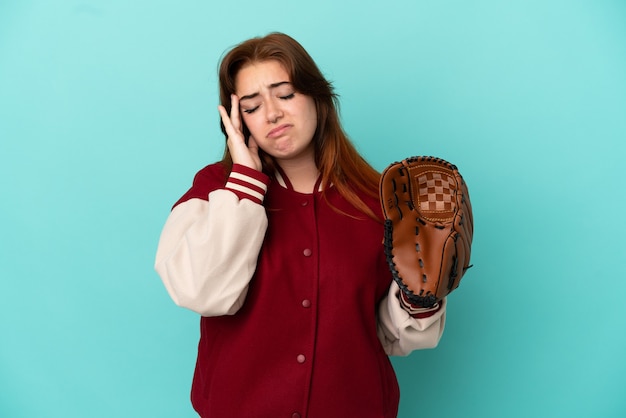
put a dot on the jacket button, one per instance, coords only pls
(307, 252)
(301, 359)
(304, 203)
(306, 303)
(295, 415)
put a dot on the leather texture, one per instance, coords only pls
(429, 227)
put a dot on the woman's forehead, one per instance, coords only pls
(260, 74)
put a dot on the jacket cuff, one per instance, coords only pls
(416, 311)
(247, 183)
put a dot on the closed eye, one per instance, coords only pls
(254, 109)
(250, 111)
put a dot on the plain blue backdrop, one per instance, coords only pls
(108, 108)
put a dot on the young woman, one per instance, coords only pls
(279, 248)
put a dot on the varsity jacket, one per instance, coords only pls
(298, 308)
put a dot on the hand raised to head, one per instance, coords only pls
(247, 155)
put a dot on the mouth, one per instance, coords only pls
(278, 131)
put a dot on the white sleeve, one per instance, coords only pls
(208, 251)
(401, 333)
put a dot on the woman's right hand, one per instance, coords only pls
(247, 155)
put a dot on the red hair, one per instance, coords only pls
(335, 156)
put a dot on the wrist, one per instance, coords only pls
(247, 183)
(417, 311)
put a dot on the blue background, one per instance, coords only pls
(108, 108)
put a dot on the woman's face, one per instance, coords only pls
(281, 120)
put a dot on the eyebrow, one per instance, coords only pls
(271, 86)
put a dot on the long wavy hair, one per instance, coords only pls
(335, 156)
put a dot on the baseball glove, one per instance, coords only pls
(428, 227)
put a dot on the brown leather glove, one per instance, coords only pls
(428, 227)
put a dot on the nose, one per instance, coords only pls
(272, 111)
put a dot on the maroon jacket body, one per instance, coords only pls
(304, 343)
